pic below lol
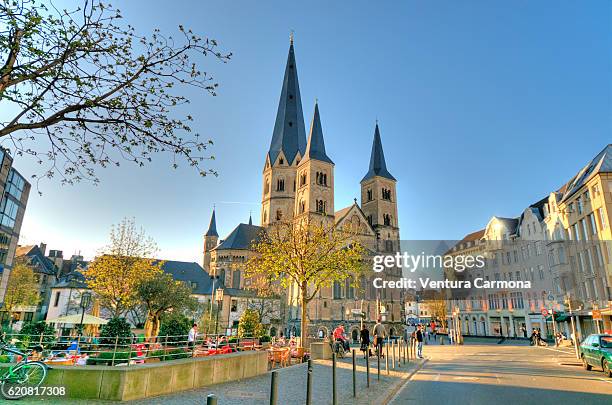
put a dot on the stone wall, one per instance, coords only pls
(149, 380)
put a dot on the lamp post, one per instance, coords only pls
(219, 300)
(85, 301)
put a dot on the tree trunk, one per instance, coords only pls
(304, 319)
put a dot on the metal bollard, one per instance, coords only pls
(334, 378)
(392, 354)
(398, 344)
(379, 363)
(274, 389)
(211, 399)
(354, 374)
(368, 367)
(309, 383)
(387, 358)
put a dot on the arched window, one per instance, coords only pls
(267, 186)
(321, 205)
(386, 194)
(280, 185)
(279, 215)
(337, 290)
(387, 219)
(369, 194)
(302, 179)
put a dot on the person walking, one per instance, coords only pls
(379, 335)
(364, 337)
(419, 339)
(192, 337)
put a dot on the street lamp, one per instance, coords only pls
(219, 299)
(85, 301)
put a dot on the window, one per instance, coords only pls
(234, 307)
(387, 219)
(8, 210)
(27, 317)
(15, 184)
(236, 279)
(303, 179)
(280, 185)
(279, 215)
(57, 297)
(350, 290)
(593, 224)
(369, 194)
(281, 161)
(575, 231)
(321, 206)
(580, 205)
(602, 219)
(370, 219)
(585, 233)
(386, 194)
(267, 187)
(302, 206)
(321, 178)
(337, 290)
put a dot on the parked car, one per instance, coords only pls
(596, 351)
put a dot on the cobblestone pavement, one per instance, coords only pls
(291, 386)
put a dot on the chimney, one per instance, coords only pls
(43, 247)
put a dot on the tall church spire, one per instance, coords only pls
(289, 134)
(378, 167)
(315, 149)
(212, 227)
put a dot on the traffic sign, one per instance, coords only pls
(544, 312)
(597, 315)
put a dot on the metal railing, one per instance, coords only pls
(125, 350)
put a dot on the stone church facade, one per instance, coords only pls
(298, 182)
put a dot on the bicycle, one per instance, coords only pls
(23, 376)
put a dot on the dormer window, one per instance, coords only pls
(281, 161)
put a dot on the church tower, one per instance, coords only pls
(378, 198)
(315, 176)
(286, 150)
(210, 241)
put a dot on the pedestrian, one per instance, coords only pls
(364, 337)
(192, 337)
(379, 335)
(419, 339)
(451, 333)
(533, 341)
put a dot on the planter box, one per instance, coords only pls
(122, 383)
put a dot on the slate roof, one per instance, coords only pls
(511, 224)
(602, 163)
(74, 279)
(212, 227)
(190, 272)
(289, 135)
(378, 166)
(315, 149)
(242, 237)
(36, 257)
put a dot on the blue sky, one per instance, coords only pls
(484, 107)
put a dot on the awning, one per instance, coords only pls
(76, 320)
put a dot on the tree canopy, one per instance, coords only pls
(21, 288)
(123, 265)
(308, 256)
(161, 294)
(80, 89)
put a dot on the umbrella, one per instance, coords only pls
(76, 320)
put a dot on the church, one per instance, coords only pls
(298, 181)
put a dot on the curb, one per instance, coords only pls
(392, 393)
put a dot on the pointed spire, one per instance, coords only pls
(378, 167)
(316, 144)
(289, 134)
(250, 219)
(212, 228)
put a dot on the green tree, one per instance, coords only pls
(116, 327)
(249, 324)
(307, 255)
(33, 331)
(22, 289)
(161, 294)
(175, 327)
(82, 89)
(124, 264)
